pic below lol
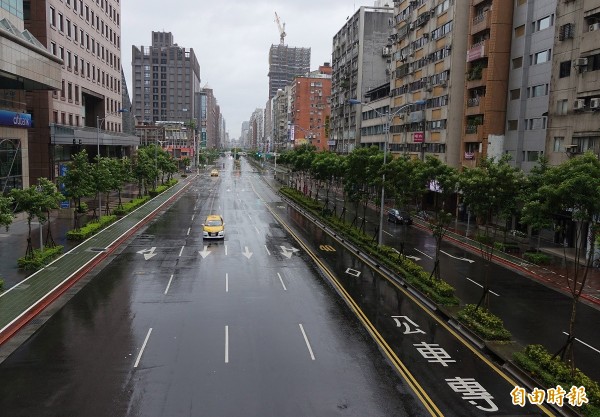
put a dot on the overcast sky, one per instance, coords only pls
(231, 39)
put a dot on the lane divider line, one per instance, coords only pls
(312, 355)
(281, 280)
(137, 362)
(169, 284)
(181, 251)
(226, 344)
(226, 282)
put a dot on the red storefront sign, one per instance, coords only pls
(418, 137)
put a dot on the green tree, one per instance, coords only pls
(535, 213)
(492, 191)
(33, 202)
(78, 181)
(144, 168)
(51, 199)
(442, 180)
(103, 182)
(574, 187)
(121, 174)
(325, 167)
(6, 213)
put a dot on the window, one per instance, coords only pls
(559, 144)
(517, 62)
(68, 60)
(538, 90)
(564, 69)
(562, 107)
(531, 156)
(540, 57)
(60, 22)
(519, 31)
(515, 94)
(53, 48)
(52, 17)
(594, 62)
(543, 23)
(535, 123)
(513, 124)
(69, 28)
(521, 2)
(77, 95)
(62, 90)
(566, 31)
(70, 91)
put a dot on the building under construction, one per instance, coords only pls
(285, 63)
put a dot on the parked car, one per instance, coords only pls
(214, 173)
(399, 217)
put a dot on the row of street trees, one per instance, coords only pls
(85, 179)
(494, 191)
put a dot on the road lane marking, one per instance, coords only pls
(189, 229)
(193, 215)
(181, 251)
(225, 250)
(388, 233)
(456, 257)
(169, 284)
(584, 344)
(281, 279)
(226, 282)
(312, 356)
(257, 232)
(481, 286)
(423, 253)
(267, 249)
(226, 344)
(137, 362)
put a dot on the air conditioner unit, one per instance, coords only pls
(593, 27)
(444, 84)
(580, 62)
(579, 104)
(595, 103)
(428, 88)
(411, 26)
(426, 35)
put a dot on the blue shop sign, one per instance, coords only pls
(14, 119)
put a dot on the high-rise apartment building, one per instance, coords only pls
(311, 109)
(488, 63)
(281, 120)
(25, 64)
(208, 115)
(285, 63)
(85, 111)
(360, 63)
(529, 81)
(429, 45)
(574, 108)
(166, 78)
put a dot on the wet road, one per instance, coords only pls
(178, 326)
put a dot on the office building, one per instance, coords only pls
(359, 64)
(25, 66)
(85, 112)
(285, 63)
(166, 78)
(208, 114)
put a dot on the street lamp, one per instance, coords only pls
(99, 121)
(390, 118)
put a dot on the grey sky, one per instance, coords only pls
(231, 39)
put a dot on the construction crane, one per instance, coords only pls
(281, 29)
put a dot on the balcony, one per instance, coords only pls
(475, 105)
(476, 78)
(473, 133)
(470, 159)
(481, 22)
(477, 51)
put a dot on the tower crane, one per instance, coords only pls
(281, 29)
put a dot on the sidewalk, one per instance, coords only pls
(30, 295)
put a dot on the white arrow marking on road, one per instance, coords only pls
(456, 257)
(246, 252)
(288, 252)
(281, 207)
(148, 253)
(205, 252)
(414, 258)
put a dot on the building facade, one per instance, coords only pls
(529, 83)
(25, 65)
(166, 78)
(488, 63)
(285, 63)
(429, 45)
(281, 120)
(311, 109)
(359, 64)
(208, 114)
(85, 113)
(574, 108)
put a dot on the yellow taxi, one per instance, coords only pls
(213, 227)
(214, 173)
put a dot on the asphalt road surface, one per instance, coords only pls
(275, 320)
